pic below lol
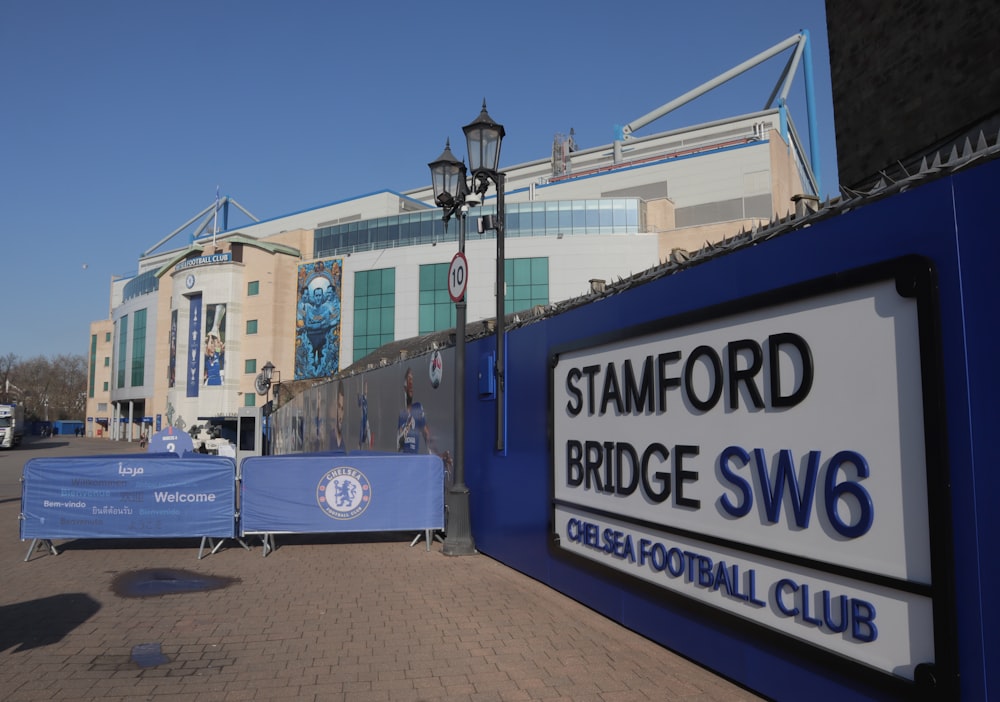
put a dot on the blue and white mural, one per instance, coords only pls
(317, 319)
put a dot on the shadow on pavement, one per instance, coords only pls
(190, 543)
(45, 621)
(193, 543)
(42, 445)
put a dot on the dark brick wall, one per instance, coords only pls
(909, 76)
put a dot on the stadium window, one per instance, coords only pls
(374, 310)
(436, 310)
(527, 282)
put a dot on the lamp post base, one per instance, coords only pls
(458, 540)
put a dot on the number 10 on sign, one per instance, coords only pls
(458, 277)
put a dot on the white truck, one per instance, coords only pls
(11, 425)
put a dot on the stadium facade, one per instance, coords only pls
(314, 291)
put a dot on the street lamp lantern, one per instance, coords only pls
(268, 371)
(483, 137)
(448, 179)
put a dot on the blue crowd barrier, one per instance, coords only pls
(128, 496)
(320, 493)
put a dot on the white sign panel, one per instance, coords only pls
(845, 616)
(794, 430)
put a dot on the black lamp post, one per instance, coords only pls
(268, 372)
(483, 139)
(450, 191)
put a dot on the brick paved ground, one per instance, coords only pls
(321, 618)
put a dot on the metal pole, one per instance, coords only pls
(501, 284)
(458, 539)
(814, 155)
(277, 400)
(714, 83)
(270, 420)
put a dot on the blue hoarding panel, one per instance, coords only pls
(949, 224)
(328, 493)
(131, 496)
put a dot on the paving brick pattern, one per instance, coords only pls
(357, 618)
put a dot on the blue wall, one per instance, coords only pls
(952, 222)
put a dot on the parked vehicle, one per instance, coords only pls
(11, 425)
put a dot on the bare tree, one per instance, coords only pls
(7, 364)
(48, 388)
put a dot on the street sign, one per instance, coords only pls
(458, 277)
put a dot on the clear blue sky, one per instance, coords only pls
(119, 119)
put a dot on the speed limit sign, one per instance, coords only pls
(458, 277)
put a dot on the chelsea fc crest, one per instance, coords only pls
(344, 493)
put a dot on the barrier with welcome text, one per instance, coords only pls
(129, 496)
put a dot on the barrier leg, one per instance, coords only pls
(214, 545)
(45, 543)
(428, 535)
(267, 541)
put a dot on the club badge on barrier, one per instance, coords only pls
(344, 493)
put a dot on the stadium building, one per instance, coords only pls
(315, 291)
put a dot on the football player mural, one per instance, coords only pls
(317, 320)
(215, 345)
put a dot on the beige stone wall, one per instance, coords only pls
(102, 374)
(692, 239)
(273, 308)
(257, 266)
(785, 180)
(785, 183)
(661, 215)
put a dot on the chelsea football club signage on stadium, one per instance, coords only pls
(203, 261)
(768, 461)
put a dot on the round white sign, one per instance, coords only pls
(458, 277)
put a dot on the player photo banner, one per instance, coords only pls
(321, 493)
(215, 345)
(129, 496)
